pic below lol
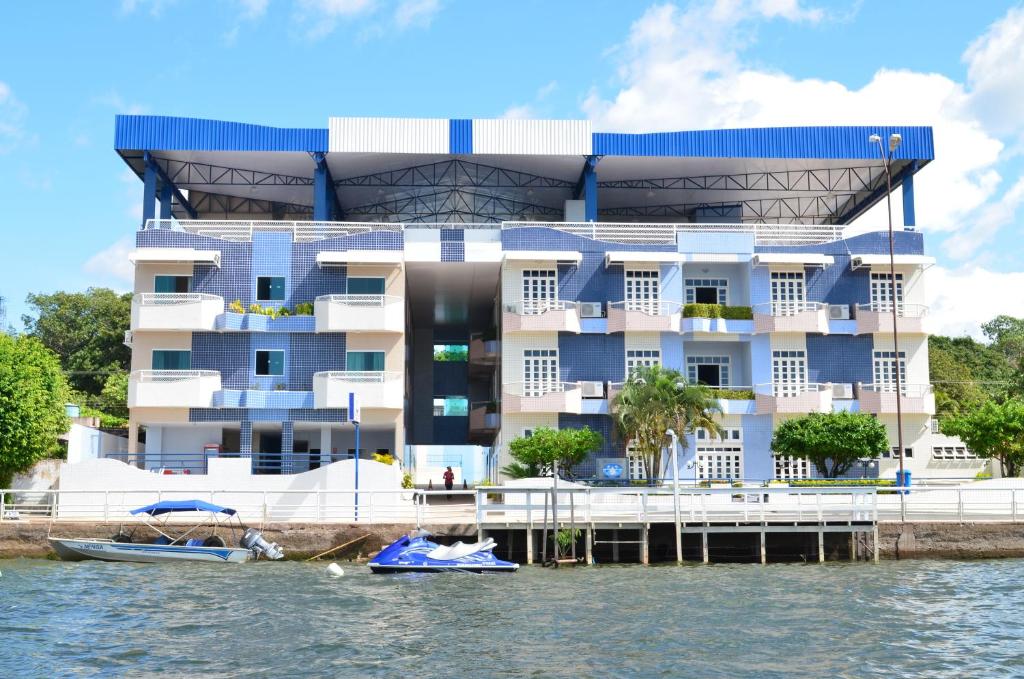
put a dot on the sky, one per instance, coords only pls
(69, 206)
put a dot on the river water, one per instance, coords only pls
(905, 619)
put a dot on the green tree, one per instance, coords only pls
(655, 399)
(955, 388)
(33, 391)
(568, 447)
(1007, 336)
(85, 330)
(961, 368)
(833, 442)
(993, 431)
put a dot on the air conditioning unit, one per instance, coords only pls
(839, 312)
(128, 338)
(842, 390)
(592, 389)
(591, 310)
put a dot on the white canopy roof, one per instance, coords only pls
(858, 261)
(624, 256)
(174, 255)
(544, 256)
(357, 257)
(805, 258)
(715, 257)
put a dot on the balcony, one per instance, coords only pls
(735, 400)
(374, 389)
(360, 313)
(880, 399)
(483, 352)
(877, 317)
(717, 318)
(175, 311)
(173, 388)
(795, 398)
(644, 315)
(546, 315)
(542, 397)
(484, 419)
(791, 317)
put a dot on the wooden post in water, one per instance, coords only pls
(645, 557)
(821, 545)
(875, 535)
(529, 545)
(705, 556)
(764, 548)
(615, 545)
(590, 545)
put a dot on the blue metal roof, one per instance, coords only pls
(167, 506)
(165, 133)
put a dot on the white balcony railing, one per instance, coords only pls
(881, 398)
(791, 316)
(540, 315)
(241, 230)
(172, 388)
(902, 310)
(876, 317)
(666, 234)
(175, 311)
(644, 315)
(792, 397)
(542, 396)
(535, 307)
(360, 313)
(789, 308)
(374, 388)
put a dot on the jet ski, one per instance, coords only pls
(414, 553)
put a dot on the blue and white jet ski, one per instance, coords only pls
(414, 553)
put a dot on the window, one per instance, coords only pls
(707, 291)
(934, 426)
(881, 292)
(787, 289)
(728, 434)
(540, 290)
(719, 462)
(952, 453)
(643, 290)
(365, 286)
(636, 358)
(451, 406)
(175, 284)
(788, 468)
(635, 464)
(451, 353)
(365, 361)
(710, 370)
(165, 359)
(540, 371)
(789, 372)
(894, 453)
(270, 288)
(885, 370)
(269, 362)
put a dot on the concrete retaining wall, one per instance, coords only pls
(951, 540)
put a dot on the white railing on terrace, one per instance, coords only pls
(908, 390)
(665, 234)
(174, 298)
(650, 307)
(903, 310)
(242, 230)
(537, 388)
(788, 308)
(533, 307)
(364, 301)
(361, 376)
(171, 375)
(784, 389)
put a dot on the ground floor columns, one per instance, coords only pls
(133, 436)
(245, 438)
(287, 446)
(325, 445)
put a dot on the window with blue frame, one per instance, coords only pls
(269, 363)
(451, 406)
(172, 284)
(365, 286)
(270, 288)
(172, 359)
(365, 360)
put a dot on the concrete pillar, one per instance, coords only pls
(853, 546)
(133, 436)
(645, 556)
(615, 545)
(529, 545)
(325, 445)
(149, 179)
(705, 552)
(909, 218)
(875, 542)
(287, 446)
(764, 548)
(821, 546)
(590, 546)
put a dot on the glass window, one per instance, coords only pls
(269, 362)
(451, 406)
(270, 288)
(365, 360)
(365, 286)
(174, 284)
(454, 353)
(164, 359)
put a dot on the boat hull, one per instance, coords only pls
(105, 550)
(379, 568)
(419, 555)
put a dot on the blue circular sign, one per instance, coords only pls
(612, 470)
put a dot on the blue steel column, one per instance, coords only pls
(321, 190)
(287, 446)
(909, 218)
(590, 189)
(166, 191)
(148, 189)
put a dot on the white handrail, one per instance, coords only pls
(666, 234)
(788, 308)
(902, 310)
(362, 376)
(242, 230)
(911, 390)
(533, 307)
(538, 388)
(784, 389)
(651, 307)
(171, 375)
(361, 300)
(173, 298)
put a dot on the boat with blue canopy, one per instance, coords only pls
(200, 542)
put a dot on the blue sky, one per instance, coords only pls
(69, 207)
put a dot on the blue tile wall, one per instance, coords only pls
(310, 281)
(839, 358)
(287, 446)
(838, 284)
(271, 256)
(255, 399)
(453, 245)
(244, 438)
(243, 415)
(601, 424)
(230, 280)
(874, 243)
(227, 352)
(313, 353)
(451, 379)
(270, 341)
(592, 357)
(672, 351)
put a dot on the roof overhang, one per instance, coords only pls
(562, 256)
(360, 257)
(169, 255)
(791, 258)
(715, 258)
(626, 257)
(904, 261)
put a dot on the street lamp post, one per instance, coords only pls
(894, 142)
(675, 494)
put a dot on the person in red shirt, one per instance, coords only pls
(449, 480)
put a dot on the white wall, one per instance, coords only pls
(86, 443)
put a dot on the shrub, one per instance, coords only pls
(304, 309)
(737, 313)
(384, 458)
(283, 312)
(255, 309)
(407, 480)
(734, 394)
(236, 307)
(817, 483)
(733, 313)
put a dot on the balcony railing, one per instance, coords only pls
(792, 397)
(666, 234)
(482, 351)
(876, 317)
(791, 316)
(542, 397)
(484, 418)
(360, 313)
(540, 315)
(374, 388)
(881, 398)
(173, 388)
(175, 311)
(242, 230)
(640, 315)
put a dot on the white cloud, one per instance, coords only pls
(111, 264)
(12, 120)
(995, 73)
(519, 112)
(964, 298)
(318, 18)
(416, 13)
(790, 10)
(156, 7)
(253, 9)
(114, 100)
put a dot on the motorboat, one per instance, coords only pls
(200, 542)
(414, 553)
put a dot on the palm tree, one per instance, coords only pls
(655, 399)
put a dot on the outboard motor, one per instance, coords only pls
(254, 540)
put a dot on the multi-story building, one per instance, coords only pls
(471, 280)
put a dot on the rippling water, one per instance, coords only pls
(910, 618)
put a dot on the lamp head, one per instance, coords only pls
(894, 141)
(874, 139)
